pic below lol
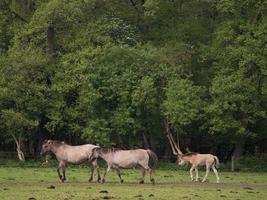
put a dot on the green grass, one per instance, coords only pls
(18, 183)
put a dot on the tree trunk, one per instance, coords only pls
(50, 40)
(139, 7)
(167, 153)
(31, 148)
(20, 153)
(238, 152)
(145, 140)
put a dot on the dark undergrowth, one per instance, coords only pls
(256, 163)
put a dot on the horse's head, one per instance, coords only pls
(95, 154)
(46, 147)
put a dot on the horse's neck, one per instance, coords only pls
(55, 150)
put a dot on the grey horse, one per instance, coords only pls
(70, 154)
(116, 159)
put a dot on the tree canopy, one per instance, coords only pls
(113, 72)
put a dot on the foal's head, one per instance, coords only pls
(180, 160)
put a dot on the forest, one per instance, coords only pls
(122, 73)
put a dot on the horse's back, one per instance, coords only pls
(129, 158)
(77, 154)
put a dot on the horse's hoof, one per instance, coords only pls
(152, 181)
(141, 182)
(122, 181)
(90, 180)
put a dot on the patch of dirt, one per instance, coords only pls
(107, 197)
(247, 188)
(139, 195)
(103, 191)
(51, 187)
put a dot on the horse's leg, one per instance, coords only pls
(143, 172)
(58, 171)
(96, 166)
(216, 173)
(119, 174)
(197, 177)
(63, 171)
(207, 172)
(104, 176)
(92, 171)
(151, 176)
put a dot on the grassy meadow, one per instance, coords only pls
(42, 183)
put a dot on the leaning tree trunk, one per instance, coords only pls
(19, 148)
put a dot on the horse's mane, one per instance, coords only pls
(56, 142)
(106, 150)
(189, 154)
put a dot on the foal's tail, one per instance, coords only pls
(217, 163)
(153, 159)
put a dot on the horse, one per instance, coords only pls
(117, 158)
(66, 154)
(195, 159)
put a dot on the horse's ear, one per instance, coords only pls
(49, 141)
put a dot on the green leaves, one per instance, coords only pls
(111, 72)
(183, 103)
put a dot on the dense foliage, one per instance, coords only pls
(116, 72)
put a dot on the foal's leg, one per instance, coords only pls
(207, 172)
(216, 173)
(104, 176)
(191, 172)
(197, 177)
(119, 174)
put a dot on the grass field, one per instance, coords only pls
(19, 183)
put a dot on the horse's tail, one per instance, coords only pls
(216, 160)
(153, 159)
